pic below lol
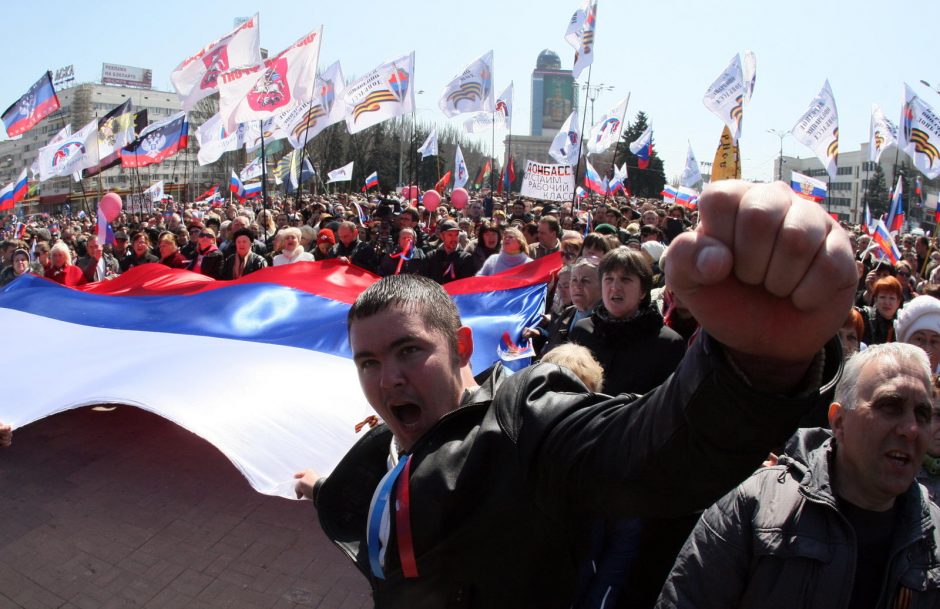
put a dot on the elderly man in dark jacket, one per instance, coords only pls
(97, 264)
(243, 261)
(479, 496)
(839, 521)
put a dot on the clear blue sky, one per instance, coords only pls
(666, 53)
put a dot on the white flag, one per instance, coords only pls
(252, 170)
(214, 140)
(76, 152)
(566, 147)
(883, 133)
(606, 132)
(343, 174)
(263, 90)
(580, 35)
(155, 192)
(501, 118)
(725, 97)
(429, 147)
(818, 129)
(250, 133)
(461, 175)
(197, 77)
(471, 90)
(920, 134)
(691, 174)
(61, 135)
(381, 94)
(749, 71)
(306, 120)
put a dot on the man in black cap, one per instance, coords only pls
(447, 262)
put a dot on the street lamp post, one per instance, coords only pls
(592, 93)
(780, 134)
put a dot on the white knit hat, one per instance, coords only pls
(654, 249)
(921, 313)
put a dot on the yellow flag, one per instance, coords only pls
(727, 165)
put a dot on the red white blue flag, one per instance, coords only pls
(21, 187)
(642, 147)
(251, 324)
(158, 142)
(594, 181)
(896, 211)
(36, 104)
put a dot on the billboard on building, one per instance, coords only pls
(126, 76)
(557, 100)
(63, 74)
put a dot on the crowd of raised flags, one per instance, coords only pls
(286, 96)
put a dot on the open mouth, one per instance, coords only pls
(406, 414)
(899, 458)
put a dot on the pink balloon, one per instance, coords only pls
(410, 192)
(459, 198)
(431, 200)
(110, 206)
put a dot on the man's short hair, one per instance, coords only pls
(552, 223)
(631, 262)
(902, 354)
(412, 293)
(243, 232)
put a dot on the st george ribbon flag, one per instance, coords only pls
(36, 104)
(566, 147)
(727, 95)
(580, 35)
(342, 174)
(381, 94)
(883, 133)
(306, 120)
(197, 77)
(259, 326)
(818, 129)
(276, 84)
(606, 132)
(920, 134)
(471, 90)
(429, 147)
(158, 142)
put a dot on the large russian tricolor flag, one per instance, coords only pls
(260, 367)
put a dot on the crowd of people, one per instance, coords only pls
(560, 485)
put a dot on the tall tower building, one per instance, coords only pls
(554, 94)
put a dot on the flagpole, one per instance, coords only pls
(577, 166)
(492, 151)
(264, 181)
(508, 162)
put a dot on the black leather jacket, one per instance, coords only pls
(504, 488)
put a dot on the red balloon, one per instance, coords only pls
(110, 206)
(459, 198)
(431, 200)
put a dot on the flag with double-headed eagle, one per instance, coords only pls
(116, 129)
(461, 175)
(580, 35)
(263, 90)
(606, 132)
(500, 118)
(214, 140)
(920, 134)
(380, 94)
(158, 142)
(566, 147)
(197, 77)
(883, 133)
(725, 97)
(306, 120)
(818, 129)
(471, 90)
(36, 104)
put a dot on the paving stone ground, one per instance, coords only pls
(102, 510)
